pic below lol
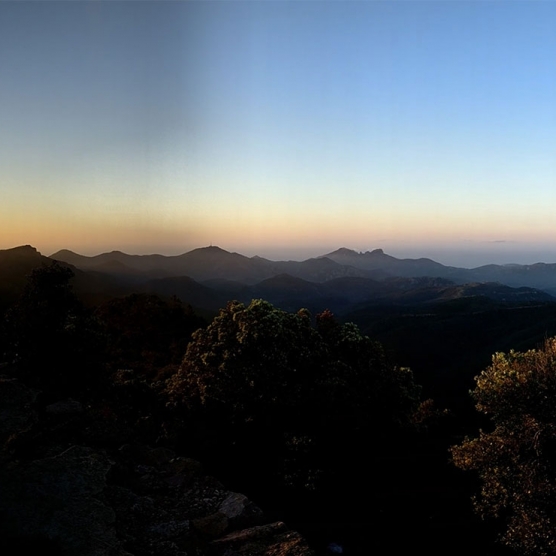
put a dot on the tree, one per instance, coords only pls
(255, 360)
(258, 376)
(516, 461)
(51, 338)
(250, 362)
(145, 332)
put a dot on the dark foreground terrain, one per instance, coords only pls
(124, 431)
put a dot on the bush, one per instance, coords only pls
(516, 461)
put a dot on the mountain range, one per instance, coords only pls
(214, 263)
(341, 280)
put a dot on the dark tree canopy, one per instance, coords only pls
(50, 336)
(516, 461)
(269, 381)
(145, 332)
(258, 359)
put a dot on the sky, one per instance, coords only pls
(285, 129)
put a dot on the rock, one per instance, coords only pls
(260, 532)
(181, 471)
(55, 499)
(170, 529)
(65, 407)
(16, 413)
(211, 526)
(154, 503)
(240, 511)
(266, 540)
(159, 456)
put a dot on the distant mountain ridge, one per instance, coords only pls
(214, 263)
(208, 277)
(378, 260)
(17, 263)
(539, 275)
(209, 263)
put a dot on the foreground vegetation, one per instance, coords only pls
(516, 460)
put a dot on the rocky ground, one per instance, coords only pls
(136, 500)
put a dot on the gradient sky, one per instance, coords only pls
(284, 129)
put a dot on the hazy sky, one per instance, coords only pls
(285, 129)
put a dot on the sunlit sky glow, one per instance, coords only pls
(284, 129)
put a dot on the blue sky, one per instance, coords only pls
(284, 129)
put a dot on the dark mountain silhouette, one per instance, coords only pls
(355, 289)
(214, 263)
(378, 260)
(200, 264)
(15, 265)
(538, 275)
(208, 263)
(287, 292)
(115, 261)
(230, 286)
(342, 295)
(19, 259)
(322, 269)
(189, 291)
(135, 268)
(443, 293)
(315, 281)
(498, 292)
